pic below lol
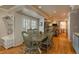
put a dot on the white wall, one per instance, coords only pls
(18, 29)
(68, 26)
(63, 25)
(2, 28)
(41, 26)
(2, 25)
(74, 23)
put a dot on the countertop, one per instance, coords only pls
(77, 34)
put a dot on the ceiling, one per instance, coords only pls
(50, 9)
(54, 11)
(28, 12)
(50, 12)
(6, 6)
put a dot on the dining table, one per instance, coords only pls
(39, 38)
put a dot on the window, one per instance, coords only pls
(34, 24)
(30, 23)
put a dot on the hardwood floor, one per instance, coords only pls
(61, 45)
(14, 50)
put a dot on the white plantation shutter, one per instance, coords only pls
(30, 23)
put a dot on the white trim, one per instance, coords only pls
(69, 26)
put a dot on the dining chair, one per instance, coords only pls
(44, 45)
(50, 37)
(31, 46)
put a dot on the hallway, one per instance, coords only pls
(61, 45)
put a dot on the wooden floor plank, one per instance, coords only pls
(61, 45)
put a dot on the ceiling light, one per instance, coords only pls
(54, 11)
(39, 6)
(64, 14)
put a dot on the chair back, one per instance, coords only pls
(27, 39)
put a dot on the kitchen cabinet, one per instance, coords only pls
(76, 42)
